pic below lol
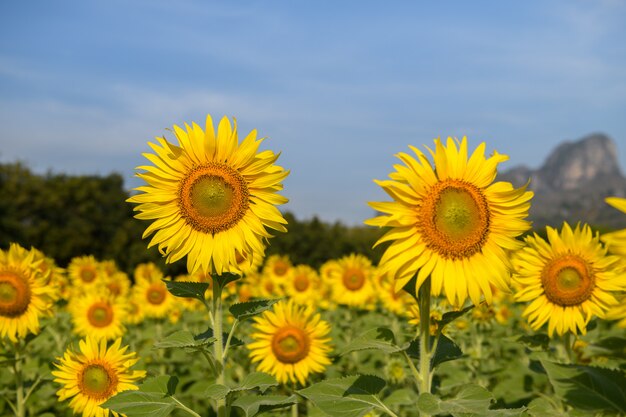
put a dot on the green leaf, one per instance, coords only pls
(351, 396)
(588, 387)
(471, 399)
(216, 391)
(163, 384)
(446, 350)
(611, 346)
(380, 338)
(450, 316)
(187, 289)
(259, 380)
(184, 339)
(224, 279)
(540, 407)
(242, 311)
(253, 405)
(141, 404)
(152, 399)
(402, 396)
(208, 336)
(539, 340)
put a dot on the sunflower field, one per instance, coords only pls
(468, 312)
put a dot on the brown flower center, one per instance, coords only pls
(353, 279)
(156, 294)
(454, 219)
(290, 344)
(100, 314)
(568, 280)
(301, 282)
(87, 273)
(281, 268)
(97, 381)
(14, 294)
(213, 198)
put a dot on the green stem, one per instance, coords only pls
(567, 343)
(414, 372)
(230, 336)
(20, 403)
(294, 409)
(185, 408)
(425, 352)
(219, 343)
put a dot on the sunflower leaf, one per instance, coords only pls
(351, 396)
(380, 338)
(253, 405)
(450, 316)
(259, 380)
(588, 387)
(539, 340)
(216, 391)
(446, 350)
(184, 339)
(153, 398)
(242, 311)
(187, 289)
(225, 279)
(472, 401)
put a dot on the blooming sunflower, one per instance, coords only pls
(95, 374)
(392, 299)
(277, 267)
(210, 197)
(147, 271)
(24, 293)
(98, 314)
(290, 342)
(302, 284)
(567, 279)
(451, 222)
(616, 241)
(353, 281)
(84, 272)
(153, 297)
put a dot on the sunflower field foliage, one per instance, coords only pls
(461, 309)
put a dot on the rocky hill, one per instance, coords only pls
(573, 182)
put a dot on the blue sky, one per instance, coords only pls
(337, 87)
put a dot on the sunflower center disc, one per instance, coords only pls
(213, 198)
(14, 295)
(100, 314)
(353, 279)
(290, 344)
(156, 296)
(567, 281)
(301, 283)
(114, 288)
(280, 268)
(96, 381)
(454, 219)
(87, 274)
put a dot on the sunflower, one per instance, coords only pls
(353, 281)
(153, 297)
(95, 374)
(24, 293)
(147, 271)
(211, 197)
(450, 221)
(392, 299)
(98, 314)
(135, 312)
(277, 267)
(84, 272)
(118, 284)
(616, 241)
(290, 342)
(567, 279)
(303, 284)
(618, 312)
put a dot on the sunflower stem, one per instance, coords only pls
(219, 343)
(20, 403)
(425, 351)
(230, 336)
(567, 343)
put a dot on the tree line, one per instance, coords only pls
(73, 215)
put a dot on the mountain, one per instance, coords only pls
(573, 182)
